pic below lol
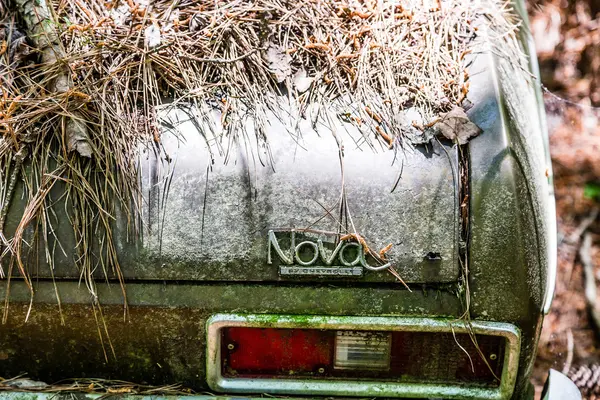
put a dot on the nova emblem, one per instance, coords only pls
(313, 257)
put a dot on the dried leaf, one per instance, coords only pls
(24, 383)
(198, 22)
(279, 62)
(456, 126)
(152, 36)
(77, 138)
(17, 48)
(121, 14)
(301, 81)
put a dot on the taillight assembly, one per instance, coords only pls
(355, 356)
(373, 355)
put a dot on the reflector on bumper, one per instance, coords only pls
(359, 350)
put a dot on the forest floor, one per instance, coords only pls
(567, 36)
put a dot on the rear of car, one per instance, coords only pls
(242, 285)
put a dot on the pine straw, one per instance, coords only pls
(92, 386)
(364, 62)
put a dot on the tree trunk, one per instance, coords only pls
(40, 28)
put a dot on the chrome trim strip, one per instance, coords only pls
(552, 244)
(320, 387)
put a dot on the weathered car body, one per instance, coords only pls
(241, 239)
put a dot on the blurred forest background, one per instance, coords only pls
(567, 36)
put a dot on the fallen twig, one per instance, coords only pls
(583, 226)
(590, 280)
(570, 347)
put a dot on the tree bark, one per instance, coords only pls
(40, 26)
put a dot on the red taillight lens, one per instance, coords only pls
(277, 351)
(367, 355)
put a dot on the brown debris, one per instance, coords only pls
(456, 126)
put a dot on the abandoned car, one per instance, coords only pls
(320, 265)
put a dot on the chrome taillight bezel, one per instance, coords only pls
(323, 387)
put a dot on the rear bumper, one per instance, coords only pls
(557, 387)
(88, 396)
